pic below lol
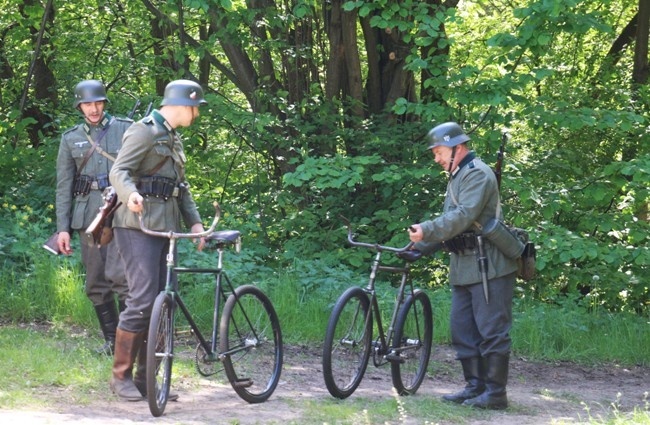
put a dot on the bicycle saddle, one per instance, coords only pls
(410, 256)
(224, 236)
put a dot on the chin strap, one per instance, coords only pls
(451, 162)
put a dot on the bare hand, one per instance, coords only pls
(415, 233)
(63, 242)
(135, 202)
(198, 228)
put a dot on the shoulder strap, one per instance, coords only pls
(158, 166)
(95, 147)
(86, 158)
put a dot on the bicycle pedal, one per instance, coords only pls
(395, 358)
(243, 383)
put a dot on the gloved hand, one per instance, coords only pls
(410, 256)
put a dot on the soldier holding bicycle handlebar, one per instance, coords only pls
(481, 276)
(149, 177)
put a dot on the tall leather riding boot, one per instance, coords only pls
(127, 345)
(495, 396)
(474, 371)
(108, 319)
(140, 379)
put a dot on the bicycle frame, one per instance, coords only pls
(385, 347)
(385, 336)
(350, 337)
(172, 291)
(245, 331)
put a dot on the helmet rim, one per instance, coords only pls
(89, 91)
(183, 93)
(448, 134)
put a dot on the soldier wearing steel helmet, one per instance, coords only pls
(479, 328)
(82, 174)
(149, 177)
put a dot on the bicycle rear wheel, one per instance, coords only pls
(250, 341)
(346, 349)
(412, 341)
(160, 353)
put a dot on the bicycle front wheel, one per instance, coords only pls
(160, 353)
(412, 341)
(346, 349)
(250, 342)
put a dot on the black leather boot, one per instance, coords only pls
(108, 318)
(473, 370)
(495, 396)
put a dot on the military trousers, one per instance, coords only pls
(480, 328)
(145, 266)
(105, 277)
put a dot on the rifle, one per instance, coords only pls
(497, 168)
(482, 257)
(148, 111)
(134, 109)
(100, 229)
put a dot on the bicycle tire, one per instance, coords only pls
(412, 340)
(160, 353)
(250, 343)
(346, 350)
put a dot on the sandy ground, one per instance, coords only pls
(539, 393)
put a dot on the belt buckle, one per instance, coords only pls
(94, 185)
(175, 192)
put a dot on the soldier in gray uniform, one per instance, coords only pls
(481, 314)
(85, 157)
(149, 177)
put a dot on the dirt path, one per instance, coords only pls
(539, 393)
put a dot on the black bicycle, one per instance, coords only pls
(405, 345)
(245, 339)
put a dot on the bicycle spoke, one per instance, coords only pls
(412, 344)
(160, 354)
(251, 344)
(346, 349)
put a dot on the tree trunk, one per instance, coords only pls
(640, 71)
(43, 77)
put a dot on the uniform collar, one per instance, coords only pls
(161, 120)
(106, 119)
(468, 158)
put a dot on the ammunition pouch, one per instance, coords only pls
(102, 182)
(160, 187)
(458, 244)
(83, 184)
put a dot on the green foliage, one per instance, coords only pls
(576, 170)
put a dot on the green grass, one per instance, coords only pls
(29, 355)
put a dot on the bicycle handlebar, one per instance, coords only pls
(179, 235)
(374, 246)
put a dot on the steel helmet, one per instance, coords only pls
(447, 134)
(89, 91)
(183, 93)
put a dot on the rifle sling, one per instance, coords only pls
(95, 146)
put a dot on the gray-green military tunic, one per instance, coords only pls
(104, 274)
(478, 328)
(475, 190)
(151, 150)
